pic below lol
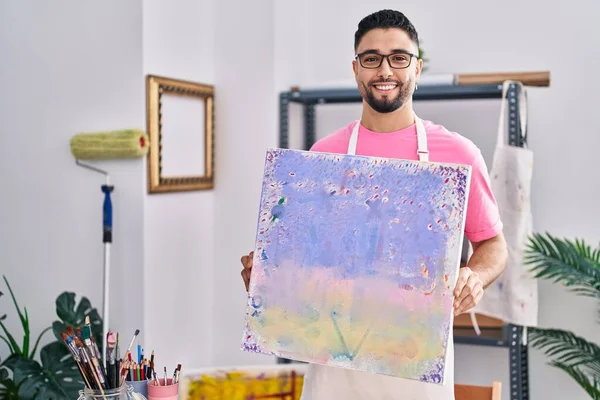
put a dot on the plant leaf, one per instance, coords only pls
(10, 362)
(37, 342)
(13, 343)
(592, 387)
(567, 349)
(8, 343)
(15, 301)
(65, 308)
(58, 377)
(572, 264)
(75, 317)
(8, 389)
(27, 335)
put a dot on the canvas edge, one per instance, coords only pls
(449, 329)
(245, 330)
(416, 161)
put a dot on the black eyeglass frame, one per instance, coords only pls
(387, 57)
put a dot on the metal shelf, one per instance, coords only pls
(442, 92)
(509, 336)
(311, 98)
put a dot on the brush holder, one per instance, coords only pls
(162, 392)
(140, 387)
(124, 392)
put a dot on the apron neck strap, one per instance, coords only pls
(353, 139)
(422, 150)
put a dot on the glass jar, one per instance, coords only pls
(125, 392)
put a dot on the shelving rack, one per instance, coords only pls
(508, 336)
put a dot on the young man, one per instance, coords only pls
(387, 69)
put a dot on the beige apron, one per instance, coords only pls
(513, 297)
(332, 383)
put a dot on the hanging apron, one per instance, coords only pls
(327, 383)
(513, 297)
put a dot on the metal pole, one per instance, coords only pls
(283, 120)
(518, 354)
(309, 126)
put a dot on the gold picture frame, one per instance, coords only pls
(188, 96)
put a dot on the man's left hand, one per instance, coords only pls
(468, 290)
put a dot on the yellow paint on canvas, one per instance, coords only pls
(242, 386)
(394, 345)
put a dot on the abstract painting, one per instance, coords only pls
(355, 261)
(244, 384)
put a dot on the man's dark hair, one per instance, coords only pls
(385, 19)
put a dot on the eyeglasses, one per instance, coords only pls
(398, 60)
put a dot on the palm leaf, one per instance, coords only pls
(590, 385)
(9, 343)
(571, 263)
(37, 342)
(567, 349)
(14, 347)
(10, 348)
(26, 336)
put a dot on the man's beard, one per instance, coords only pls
(387, 105)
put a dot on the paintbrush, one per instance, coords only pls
(118, 360)
(176, 374)
(111, 366)
(128, 355)
(88, 328)
(97, 364)
(94, 372)
(137, 332)
(124, 371)
(75, 353)
(151, 366)
(85, 361)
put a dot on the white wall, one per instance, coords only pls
(485, 37)
(246, 124)
(179, 43)
(68, 67)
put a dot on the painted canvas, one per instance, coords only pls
(240, 383)
(355, 262)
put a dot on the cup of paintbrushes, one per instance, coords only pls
(159, 390)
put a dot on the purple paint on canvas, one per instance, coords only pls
(365, 236)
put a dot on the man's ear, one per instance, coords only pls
(355, 69)
(419, 69)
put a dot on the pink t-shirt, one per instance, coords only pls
(483, 218)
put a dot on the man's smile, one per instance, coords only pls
(385, 87)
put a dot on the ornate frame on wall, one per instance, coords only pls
(156, 87)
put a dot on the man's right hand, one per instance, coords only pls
(247, 263)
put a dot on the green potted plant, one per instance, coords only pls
(576, 266)
(54, 374)
(425, 59)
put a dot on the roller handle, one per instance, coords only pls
(107, 214)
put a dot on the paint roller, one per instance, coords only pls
(107, 145)
(128, 143)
